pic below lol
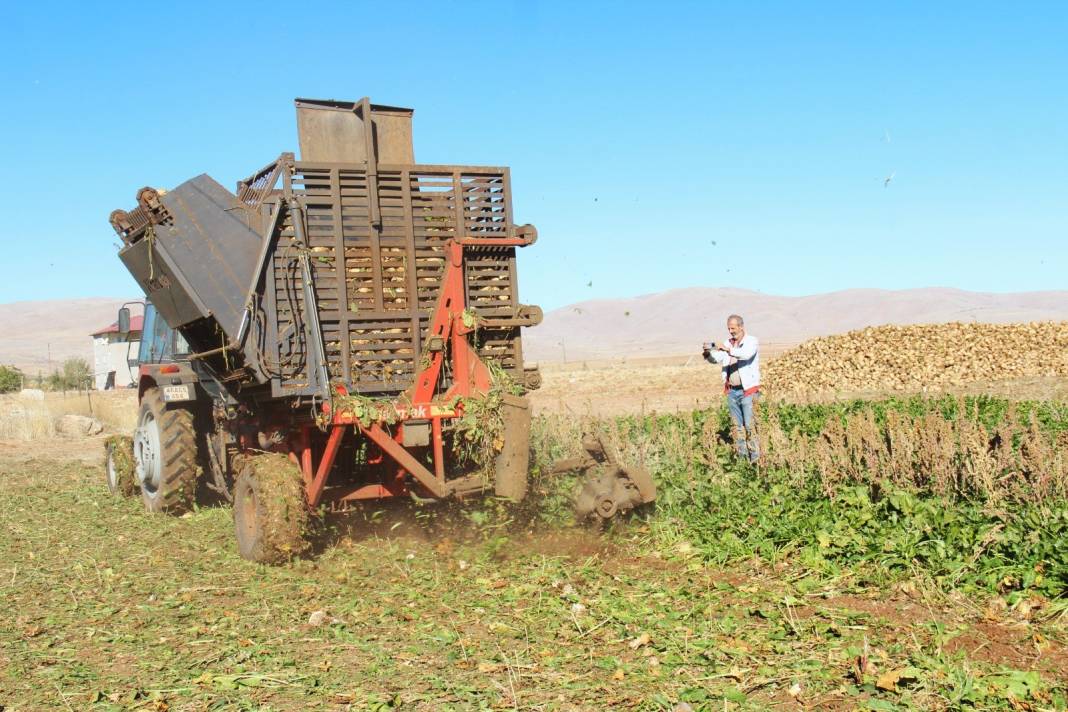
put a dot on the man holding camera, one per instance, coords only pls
(740, 361)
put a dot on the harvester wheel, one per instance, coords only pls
(165, 455)
(271, 514)
(119, 466)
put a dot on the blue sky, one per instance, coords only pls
(654, 146)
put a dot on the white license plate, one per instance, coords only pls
(177, 393)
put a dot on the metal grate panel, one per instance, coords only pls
(378, 265)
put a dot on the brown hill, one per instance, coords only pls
(663, 324)
(677, 321)
(38, 336)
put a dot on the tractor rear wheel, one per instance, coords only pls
(165, 455)
(271, 515)
(119, 466)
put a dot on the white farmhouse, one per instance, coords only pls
(110, 351)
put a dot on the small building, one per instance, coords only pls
(111, 351)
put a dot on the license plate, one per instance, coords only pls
(177, 393)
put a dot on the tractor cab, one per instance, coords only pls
(159, 342)
(162, 358)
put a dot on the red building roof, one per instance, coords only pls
(135, 325)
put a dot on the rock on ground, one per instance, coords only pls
(78, 425)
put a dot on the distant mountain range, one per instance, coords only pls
(37, 335)
(677, 321)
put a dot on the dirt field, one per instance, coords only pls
(105, 607)
(633, 386)
(681, 383)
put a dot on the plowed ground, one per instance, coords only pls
(103, 607)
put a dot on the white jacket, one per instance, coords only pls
(746, 354)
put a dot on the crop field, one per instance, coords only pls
(892, 553)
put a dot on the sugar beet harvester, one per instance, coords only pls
(353, 332)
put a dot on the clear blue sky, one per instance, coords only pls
(654, 146)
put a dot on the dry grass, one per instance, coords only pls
(936, 446)
(28, 419)
(25, 420)
(1012, 460)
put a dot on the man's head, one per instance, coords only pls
(736, 327)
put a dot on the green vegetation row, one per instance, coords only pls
(76, 374)
(970, 491)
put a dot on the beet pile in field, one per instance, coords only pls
(908, 358)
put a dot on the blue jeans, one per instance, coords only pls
(745, 435)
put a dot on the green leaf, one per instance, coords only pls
(733, 694)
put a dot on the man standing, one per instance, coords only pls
(740, 360)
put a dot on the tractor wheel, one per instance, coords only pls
(165, 455)
(271, 514)
(119, 466)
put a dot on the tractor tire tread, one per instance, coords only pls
(178, 480)
(271, 514)
(118, 455)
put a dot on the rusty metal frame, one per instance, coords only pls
(253, 190)
(471, 378)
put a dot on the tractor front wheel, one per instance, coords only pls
(119, 466)
(271, 515)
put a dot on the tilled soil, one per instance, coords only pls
(105, 607)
